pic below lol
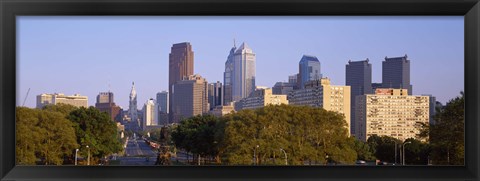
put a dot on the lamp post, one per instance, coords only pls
(394, 142)
(286, 160)
(76, 153)
(255, 155)
(403, 162)
(88, 160)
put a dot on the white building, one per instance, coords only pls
(75, 100)
(239, 75)
(150, 114)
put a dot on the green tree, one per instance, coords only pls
(383, 147)
(417, 152)
(363, 150)
(447, 135)
(96, 130)
(45, 135)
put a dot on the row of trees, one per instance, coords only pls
(51, 135)
(314, 136)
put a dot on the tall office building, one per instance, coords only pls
(320, 93)
(180, 65)
(75, 100)
(190, 95)
(359, 78)
(106, 104)
(396, 73)
(163, 108)
(239, 75)
(391, 112)
(150, 114)
(308, 69)
(162, 102)
(215, 94)
(132, 106)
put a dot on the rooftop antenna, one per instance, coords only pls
(26, 97)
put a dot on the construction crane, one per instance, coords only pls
(26, 97)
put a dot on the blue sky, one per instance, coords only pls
(87, 54)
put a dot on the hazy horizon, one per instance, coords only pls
(92, 54)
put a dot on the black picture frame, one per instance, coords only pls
(9, 9)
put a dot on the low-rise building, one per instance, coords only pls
(222, 110)
(260, 98)
(75, 100)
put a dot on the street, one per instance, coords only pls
(138, 152)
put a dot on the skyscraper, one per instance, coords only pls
(106, 104)
(150, 114)
(132, 108)
(190, 95)
(163, 108)
(396, 73)
(180, 65)
(215, 94)
(308, 69)
(359, 78)
(239, 76)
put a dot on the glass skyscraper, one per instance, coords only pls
(239, 76)
(396, 73)
(309, 69)
(359, 78)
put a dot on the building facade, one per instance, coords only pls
(308, 69)
(52, 99)
(222, 110)
(190, 95)
(320, 93)
(396, 73)
(150, 114)
(283, 88)
(163, 108)
(359, 78)
(239, 75)
(106, 104)
(391, 112)
(181, 64)
(132, 106)
(260, 98)
(215, 94)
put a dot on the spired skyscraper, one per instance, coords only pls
(132, 108)
(180, 65)
(239, 75)
(309, 69)
(396, 73)
(359, 78)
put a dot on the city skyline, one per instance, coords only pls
(150, 74)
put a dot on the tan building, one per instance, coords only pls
(320, 93)
(75, 100)
(220, 111)
(190, 97)
(260, 98)
(390, 112)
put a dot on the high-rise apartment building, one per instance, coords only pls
(320, 93)
(308, 69)
(75, 100)
(150, 114)
(180, 65)
(190, 95)
(261, 97)
(239, 75)
(391, 112)
(106, 104)
(215, 94)
(359, 78)
(396, 73)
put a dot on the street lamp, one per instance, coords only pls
(255, 155)
(88, 161)
(286, 160)
(404, 151)
(394, 142)
(76, 153)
